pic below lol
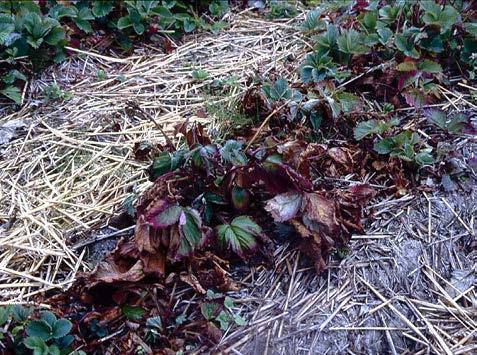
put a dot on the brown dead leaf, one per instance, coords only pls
(320, 212)
(342, 158)
(254, 102)
(154, 264)
(143, 237)
(109, 272)
(311, 245)
(213, 333)
(192, 281)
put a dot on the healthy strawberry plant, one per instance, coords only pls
(46, 335)
(406, 43)
(33, 34)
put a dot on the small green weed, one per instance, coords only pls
(218, 309)
(53, 92)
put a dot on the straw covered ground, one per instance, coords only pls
(407, 286)
(74, 165)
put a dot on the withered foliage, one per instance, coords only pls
(211, 205)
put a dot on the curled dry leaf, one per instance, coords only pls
(285, 206)
(192, 281)
(322, 223)
(110, 272)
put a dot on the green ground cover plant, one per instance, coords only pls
(34, 34)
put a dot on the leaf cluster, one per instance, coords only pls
(40, 31)
(47, 335)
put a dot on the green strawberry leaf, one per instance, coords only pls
(48, 317)
(102, 7)
(61, 328)
(209, 310)
(239, 235)
(13, 93)
(37, 344)
(39, 328)
(133, 313)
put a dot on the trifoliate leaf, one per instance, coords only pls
(232, 152)
(312, 21)
(316, 67)
(239, 235)
(350, 42)
(278, 90)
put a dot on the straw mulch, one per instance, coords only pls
(75, 164)
(407, 286)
